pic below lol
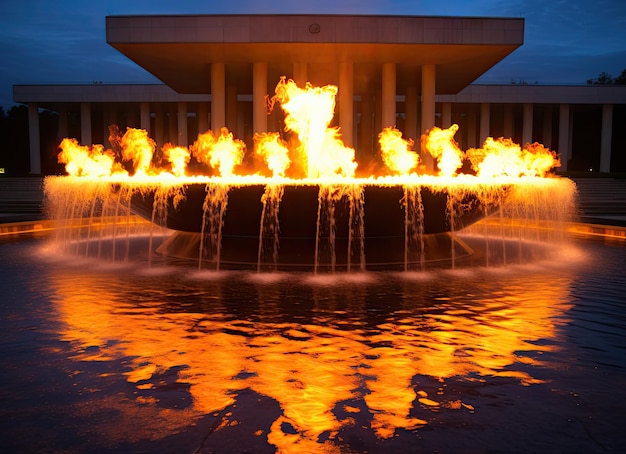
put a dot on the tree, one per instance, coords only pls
(605, 78)
(14, 150)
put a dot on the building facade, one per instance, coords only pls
(409, 72)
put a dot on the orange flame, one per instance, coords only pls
(178, 157)
(396, 151)
(503, 157)
(442, 146)
(308, 113)
(223, 153)
(86, 161)
(138, 148)
(317, 150)
(274, 151)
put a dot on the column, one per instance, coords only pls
(62, 131)
(144, 116)
(366, 149)
(446, 115)
(378, 108)
(158, 125)
(346, 102)
(231, 108)
(605, 137)
(203, 117)
(33, 138)
(259, 90)
(471, 126)
(410, 122)
(111, 114)
(388, 113)
(508, 121)
(428, 97)
(172, 126)
(564, 135)
(218, 96)
(106, 131)
(485, 121)
(527, 124)
(300, 74)
(183, 140)
(547, 126)
(85, 123)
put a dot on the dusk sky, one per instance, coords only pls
(565, 42)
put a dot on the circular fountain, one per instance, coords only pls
(304, 208)
(296, 226)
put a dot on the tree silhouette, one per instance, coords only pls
(605, 78)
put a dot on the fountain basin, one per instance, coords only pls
(340, 226)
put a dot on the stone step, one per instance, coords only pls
(21, 194)
(599, 197)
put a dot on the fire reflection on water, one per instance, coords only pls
(329, 355)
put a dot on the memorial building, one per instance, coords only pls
(410, 72)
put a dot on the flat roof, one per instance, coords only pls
(179, 49)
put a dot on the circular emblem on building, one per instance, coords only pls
(314, 28)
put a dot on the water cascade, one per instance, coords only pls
(306, 208)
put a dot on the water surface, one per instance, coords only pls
(130, 358)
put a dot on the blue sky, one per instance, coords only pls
(64, 41)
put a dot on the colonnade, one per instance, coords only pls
(361, 115)
(346, 97)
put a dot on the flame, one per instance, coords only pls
(178, 157)
(313, 147)
(396, 151)
(138, 148)
(503, 157)
(308, 113)
(442, 146)
(87, 161)
(274, 151)
(223, 152)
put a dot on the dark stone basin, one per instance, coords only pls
(384, 222)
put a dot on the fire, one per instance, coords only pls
(503, 157)
(87, 161)
(308, 113)
(396, 151)
(442, 146)
(274, 151)
(223, 153)
(178, 157)
(138, 148)
(313, 148)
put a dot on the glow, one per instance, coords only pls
(396, 151)
(314, 155)
(310, 368)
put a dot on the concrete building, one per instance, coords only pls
(409, 72)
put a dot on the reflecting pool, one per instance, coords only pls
(166, 358)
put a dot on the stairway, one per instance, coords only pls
(21, 197)
(602, 200)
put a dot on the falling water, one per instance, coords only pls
(532, 215)
(327, 197)
(214, 207)
(333, 201)
(524, 220)
(269, 229)
(413, 227)
(93, 217)
(356, 226)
